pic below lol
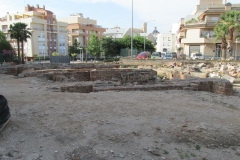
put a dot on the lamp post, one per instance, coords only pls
(44, 53)
(236, 49)
(64, 50)
(80, 53)
(145, 33)
(132, 33)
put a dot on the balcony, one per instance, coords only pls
(199, 40)
(41, 39)
(37, 29)
(182, 34)
(212, 23)
(78, 33)
(51, 30)
(181, 22)
(63, 30)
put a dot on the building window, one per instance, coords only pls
(164, 39)
(165, 44)
(169, 38)
(206, 34)
(194, 49)
(214, 19)
(169, 44)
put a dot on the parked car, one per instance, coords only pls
(168, 55)
(197, 56)
(163, 55)
(143, 55)
(174, 55)
(156, 55)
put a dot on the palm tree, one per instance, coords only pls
(231, 20)
(220, 32)
(25, 34)
(14, 31)
(20, 32)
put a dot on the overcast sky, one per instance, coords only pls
(110, 13)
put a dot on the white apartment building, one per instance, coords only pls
(196, 31)
(48, 35)
(165, 42)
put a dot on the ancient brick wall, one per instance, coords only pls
(218, 86)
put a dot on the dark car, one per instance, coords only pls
(174, 55)
(144, 55)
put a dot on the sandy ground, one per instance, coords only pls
(134, 125)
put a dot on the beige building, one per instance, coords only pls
(48, 35)
(196, 31)
(81, 28)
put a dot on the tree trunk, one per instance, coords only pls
(22, 52)
(223, 54)
(18, 45)
(223, 47)
(230, 47)
(230, 42)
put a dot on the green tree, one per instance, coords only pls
(94, 46)
(6, 49)
(24, 35)
(5, 45)
(20, 32)
(220, 32)
(126, 41)
(138, 43)
(74, 48)
(231, 21)
(2, 36)
(14, 31)
(110, 46)
(180, 49)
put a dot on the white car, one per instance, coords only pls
(197, 56)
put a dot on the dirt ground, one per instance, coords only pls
(133, 125)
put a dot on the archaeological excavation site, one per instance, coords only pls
(132, 110)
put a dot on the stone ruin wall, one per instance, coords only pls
(90, 72)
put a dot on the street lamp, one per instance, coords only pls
(80, 53)
(44, 53)
(132, 33)
(236, 49)
(64, 50)
(145, 33)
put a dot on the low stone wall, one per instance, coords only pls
(218, 86)
(125, 75)
(45, 67)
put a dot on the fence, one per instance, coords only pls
(60, 59)
(127, 53)
(7, 58)
(1, 58)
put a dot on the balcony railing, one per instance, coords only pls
(63, 31)
(91, 25)
(37, 29)
(78, 32)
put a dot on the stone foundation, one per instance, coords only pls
(218, 86)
